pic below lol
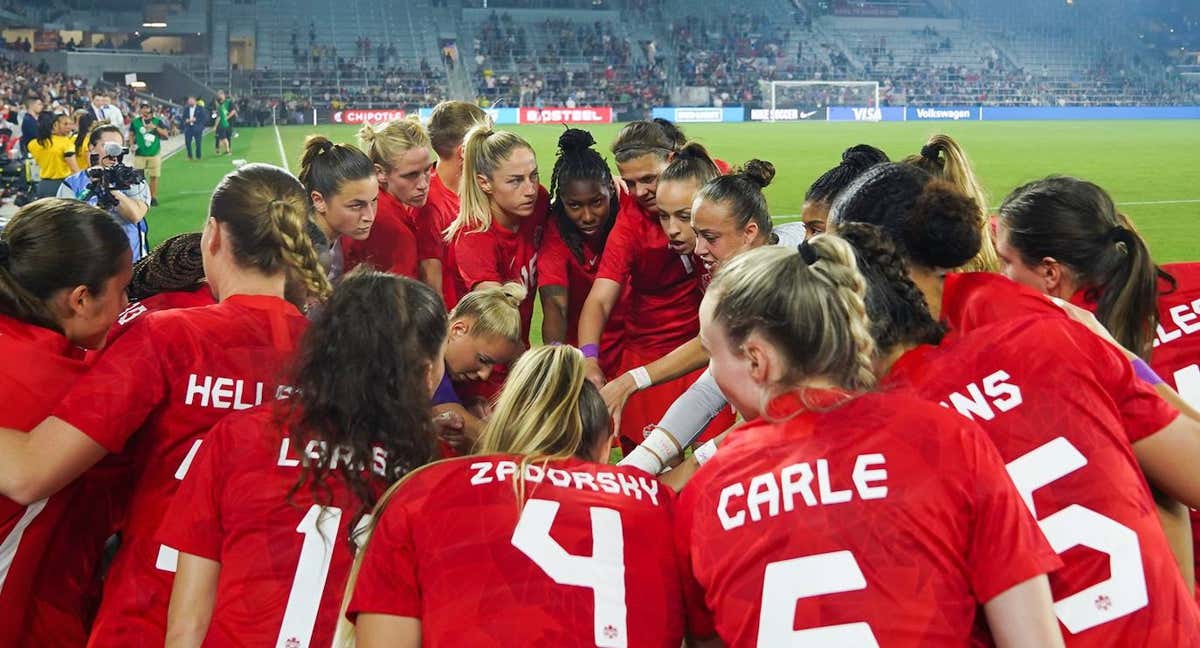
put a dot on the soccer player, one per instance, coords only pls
(344, 193)
(945, 160)
(485, 334)
(583, 213)
(1064, 237)
(63, 270)
(826, 518)
(534, 541)
(919, 212)
(301, 475)
(728, 216)
(402, 156)
(820, 196)
(448, 125)
(1071, 419)
(500, 224)
(155, 393)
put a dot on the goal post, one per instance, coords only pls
(802, 98)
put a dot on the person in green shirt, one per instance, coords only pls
(148, 132)
(222, 113)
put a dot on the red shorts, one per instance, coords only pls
(647, 407)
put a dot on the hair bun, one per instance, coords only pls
(318, 144)
(943, 230)
(931, 152)
(575, 139)
(861, 157)
(760, 172)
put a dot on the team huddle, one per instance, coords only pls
(903, 421)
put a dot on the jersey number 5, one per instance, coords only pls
(1124, 592)
(603, 572)
(787, 581)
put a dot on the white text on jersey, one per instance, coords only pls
(222, 393)
(614, 482)
(1184, 317)
(776, 493)
(341, 456)
(977, 401)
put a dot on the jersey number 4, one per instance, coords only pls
(603, 572)
(1124, 592)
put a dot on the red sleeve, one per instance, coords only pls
(192, 524)
(999, 512)
(430, 244)
(476, 255)
(387, 580)
(119, 392)
(1143, 411)
(553, 259)
(974, 299)
(700, 623)
(621, 248)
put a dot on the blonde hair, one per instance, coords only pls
(449, 123)
(395, 138)
(813, 313)
(496, 311)
(266, 209)
(945, 160)
(486, 149)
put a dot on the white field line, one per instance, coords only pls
(282, 154)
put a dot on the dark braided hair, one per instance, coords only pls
(895, 306)
(577, 160)
(855, 160)
(172, 266)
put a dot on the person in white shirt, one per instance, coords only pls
(105, 110)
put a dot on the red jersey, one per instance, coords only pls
(974, 299)
(284, 560)
(586, 561)
(171, 378)
(39, 366)
(202, 296)
(664, 299)
(433, 218)
(558, 266)
(872, 523)
(1064, 407)
(392, 244)
(503, 256)
(1176, 355)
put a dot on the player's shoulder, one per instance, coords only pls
(1186, 285)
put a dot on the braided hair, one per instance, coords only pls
(578, 161)
(172, 266)
(855, 160)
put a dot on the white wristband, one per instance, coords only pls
(641, 377)
(705, 452)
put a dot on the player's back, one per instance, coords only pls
(284, 555)
(586, 561)
(1063, 408)
(877, 520)
(1176, 354)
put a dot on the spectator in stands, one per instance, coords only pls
(148, 133)
(106, 111)
(54, 151)
(193, 126)
(85, 123)
(132, 203)
(29, 123)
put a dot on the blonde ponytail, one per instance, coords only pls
(945, 160)
(484, 151)
(496, 312)
(808, 303)
(383, 145)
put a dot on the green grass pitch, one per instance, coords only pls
(1149, 167)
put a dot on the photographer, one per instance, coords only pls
(101, 185)
(148, 132)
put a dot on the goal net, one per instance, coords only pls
(797, 100)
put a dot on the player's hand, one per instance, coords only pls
(1088, 319)
(616, 393)
(450, 429)
(480, 408)
(594, 372)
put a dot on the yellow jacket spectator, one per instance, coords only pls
(54, 152)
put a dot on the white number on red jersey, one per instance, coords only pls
(8, 548)
(787, 581)
(168, 557)
(603, 572)
(1124, 592)
(1187, 383)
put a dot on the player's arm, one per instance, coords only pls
(683, 421)
(597, 308)
(1023, 616)
(387, 631)
(1169, 456)
(193, 597)
(472, 426)
(686, 358)
(680, 475)
(40, 463)
(1176, 522)
(554, 314)
(431, 274)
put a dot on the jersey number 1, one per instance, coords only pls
(603, 572)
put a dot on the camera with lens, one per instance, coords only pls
(105, 180)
